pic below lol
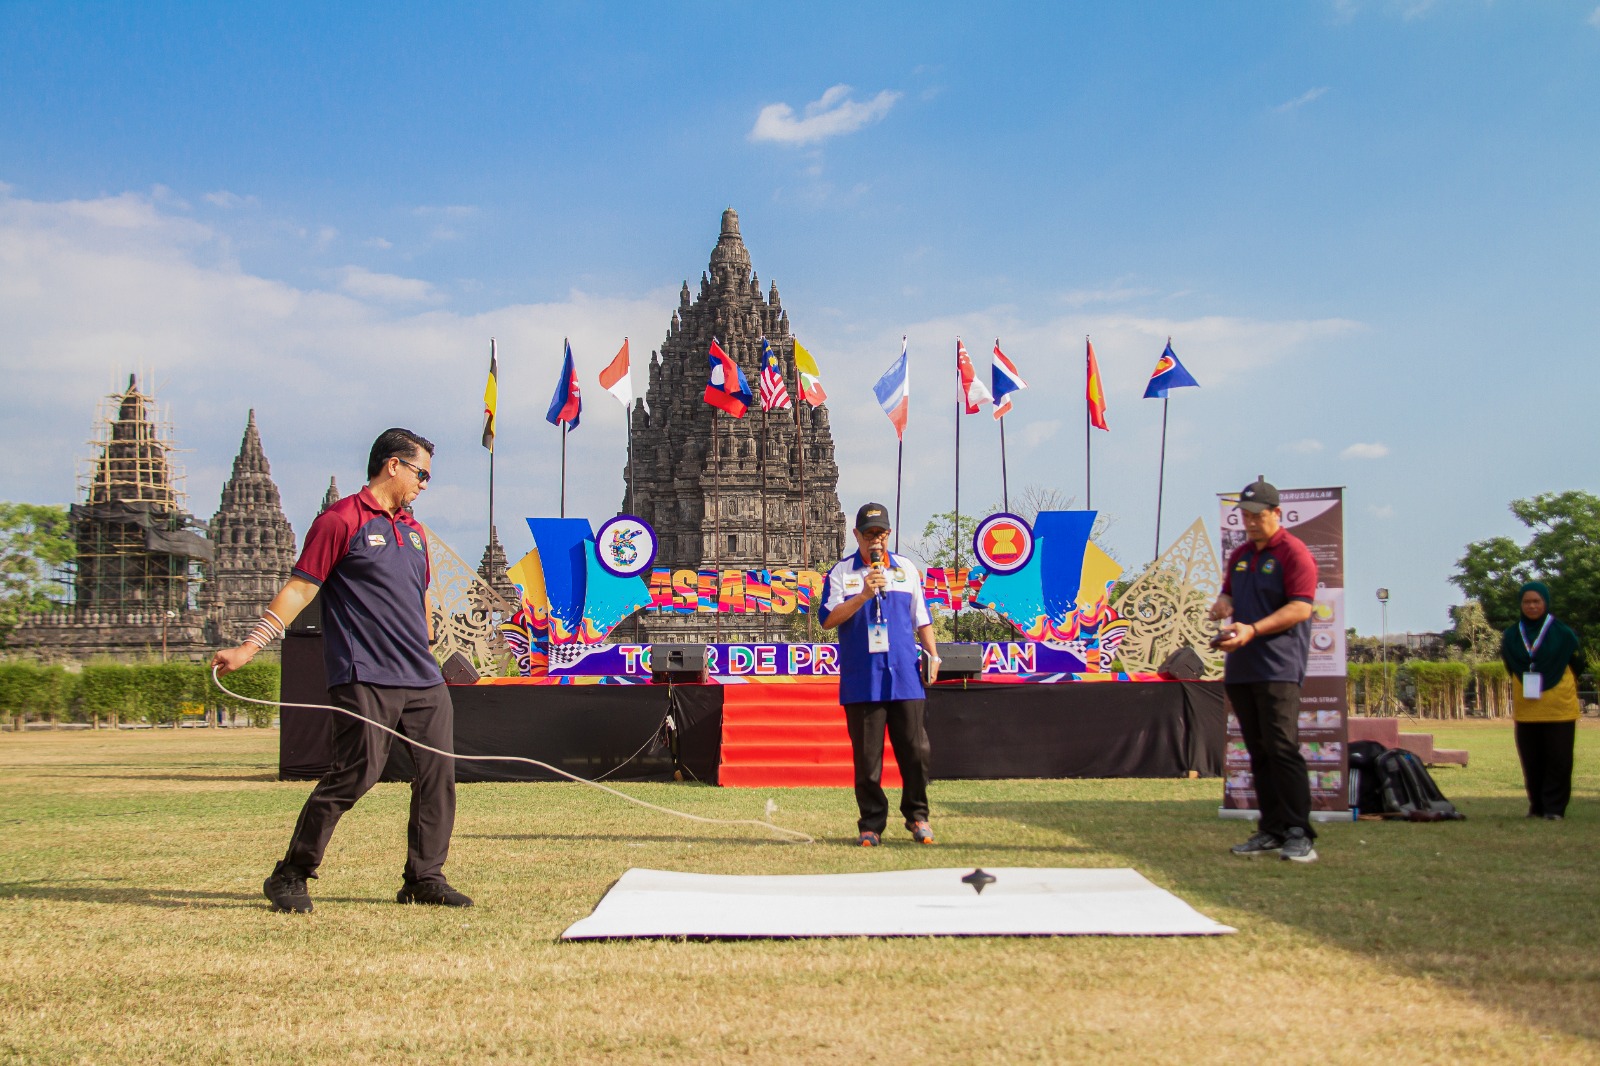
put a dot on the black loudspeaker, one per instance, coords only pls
(960, 661)
(458, 670)
(680, 663)
(308, 623)
(1184, 664)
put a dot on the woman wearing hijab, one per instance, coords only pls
(1544, 659)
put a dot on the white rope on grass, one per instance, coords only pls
(793, 836)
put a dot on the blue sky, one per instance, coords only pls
(1369, 228)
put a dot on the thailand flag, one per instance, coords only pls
(1168, 374)
(893, 391)
(1005, 379)
(774, 394)
(973, 394)
(567, 404)
(727, 390)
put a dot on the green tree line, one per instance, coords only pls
(109, 693)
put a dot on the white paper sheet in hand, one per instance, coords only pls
(1021, 902)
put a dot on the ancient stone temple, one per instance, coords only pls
(255, 547)
(134, 577)
(729, 493)
(492, 568)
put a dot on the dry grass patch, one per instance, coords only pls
(132, 927)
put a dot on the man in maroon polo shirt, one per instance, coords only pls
(1268, 587)
(369, 559)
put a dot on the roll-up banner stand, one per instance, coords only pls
(1316, 516)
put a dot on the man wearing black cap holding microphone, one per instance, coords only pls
(1268, 586)
(875, 600)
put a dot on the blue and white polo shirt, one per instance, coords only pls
(865, 677)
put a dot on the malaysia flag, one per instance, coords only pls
(1005, 379)
(973, 394)
(774, 394)
(567, 403)
(727, 390)
(893, 391)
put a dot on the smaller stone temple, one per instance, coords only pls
(254, 545)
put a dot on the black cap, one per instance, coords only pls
(1258, 496)
(872, 516)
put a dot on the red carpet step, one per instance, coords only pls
(789, 736)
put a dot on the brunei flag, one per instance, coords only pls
(1169, 374)
(810, 376)
(491, 397)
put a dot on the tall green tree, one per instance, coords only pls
(35, 542)
(1563, 550)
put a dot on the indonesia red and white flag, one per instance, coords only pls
(615, 378)
(973, 393)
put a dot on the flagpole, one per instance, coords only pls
(899, 470)
(716, 516)
(563, 469)
(955, 527)
(1088, 437)
(766, 445)
(800, 443)
(494, 365)
(1005, 493)
(1161, 479)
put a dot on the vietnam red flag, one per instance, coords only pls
(1094, 392)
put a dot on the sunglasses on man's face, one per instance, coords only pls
(422, 475)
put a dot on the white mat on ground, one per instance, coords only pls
(1020, 902)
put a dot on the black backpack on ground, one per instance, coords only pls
(1366, 787)
(1408, 789)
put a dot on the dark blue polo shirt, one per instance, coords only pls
(867, 677)
(373, 569)
(1260, 582)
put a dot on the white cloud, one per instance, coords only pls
(1306, 446)
(1037, 433)
(1384, 511)
(388, 288)
(1365, 451)
(378, 242)
(229, 200)
(1302, 100)
(1594, 18)
(831, 115)
(1113, 294)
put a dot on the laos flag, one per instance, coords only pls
(567, 403)
(727, 390)
(893, 391)
(1168, 374)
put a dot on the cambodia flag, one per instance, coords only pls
(893, 391)
(1168, 374)
(727, 390)
(567, 403)
(973, 394)
(1005, 380)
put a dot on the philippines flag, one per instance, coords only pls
(973, 394)
(567, 404)
(727, 390)
(774, 394)
(1168, 374)
(893, 391)
(1004, 378)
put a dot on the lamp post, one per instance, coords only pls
(1383, 644)
(165, 621)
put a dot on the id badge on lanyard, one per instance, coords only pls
(878, 629)
(1533, 681)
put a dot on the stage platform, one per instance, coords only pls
(788, 733)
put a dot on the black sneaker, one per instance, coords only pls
(1297, 847)
(1260, 844)
(432, 893)
(286, 888)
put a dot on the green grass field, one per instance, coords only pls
(132, 928)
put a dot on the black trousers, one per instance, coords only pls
(1545, 749)
(359, 755)
(1269, 717)
(903, 719)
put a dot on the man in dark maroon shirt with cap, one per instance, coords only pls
(1268, 587)
(368, 558)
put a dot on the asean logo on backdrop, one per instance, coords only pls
(1003, 543)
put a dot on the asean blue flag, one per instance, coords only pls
(567, 403)
(1169, 374)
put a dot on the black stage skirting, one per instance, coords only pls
(977, 730)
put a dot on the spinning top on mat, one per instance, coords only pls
(979, 879)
